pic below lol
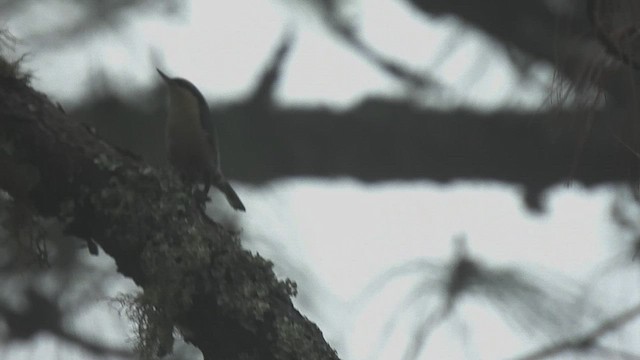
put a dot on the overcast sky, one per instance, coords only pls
(222, 45)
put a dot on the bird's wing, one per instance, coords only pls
(206, 121)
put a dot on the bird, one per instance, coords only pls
(191, 139)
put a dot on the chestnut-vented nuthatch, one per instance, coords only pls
(192, 142)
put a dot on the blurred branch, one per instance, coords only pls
(529, 302)
(262, 96)
(331, 13)
(393, 68)
(617, 27)
(383, 140)
(43, 315)
(531, 26)
(588, 340)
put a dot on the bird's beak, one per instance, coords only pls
(164, 76)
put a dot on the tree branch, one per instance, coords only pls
(225, 301)
(588, 340)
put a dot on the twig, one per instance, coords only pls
(587, 340)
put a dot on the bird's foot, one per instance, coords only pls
(201, 197)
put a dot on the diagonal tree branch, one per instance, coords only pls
(194, 273)
(587, 340)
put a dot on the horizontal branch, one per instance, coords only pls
(383, 140)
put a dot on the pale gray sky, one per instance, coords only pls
(222, 45)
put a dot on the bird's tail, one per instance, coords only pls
(231, 195)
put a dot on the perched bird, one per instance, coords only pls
(192, 142)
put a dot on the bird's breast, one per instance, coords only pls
(188, 149)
